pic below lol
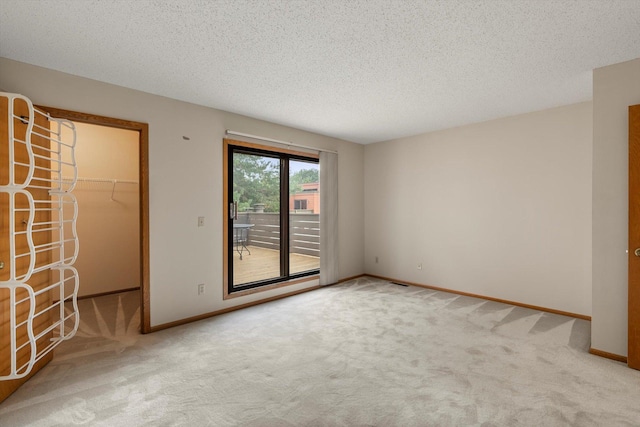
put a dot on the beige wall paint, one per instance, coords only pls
(108, 231)
(500, 209)
(186, 182)
(614, 88)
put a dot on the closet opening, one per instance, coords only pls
(109, 205)
(113, 222)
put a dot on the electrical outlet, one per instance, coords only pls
(420, 266)
(376, 260)
(201, 289)
(200, 221)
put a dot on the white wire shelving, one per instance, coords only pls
(38, 283)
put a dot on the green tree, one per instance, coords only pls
(256, 179)
(303, 176)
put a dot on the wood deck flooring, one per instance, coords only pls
(264, 264)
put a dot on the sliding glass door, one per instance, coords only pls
(273, 232)
(256, 222)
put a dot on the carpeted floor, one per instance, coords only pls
(363, 353)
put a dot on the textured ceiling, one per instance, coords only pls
(360, 70)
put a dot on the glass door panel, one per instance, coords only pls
(255, 230)
(304, 216)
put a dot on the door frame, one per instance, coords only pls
(633, 354)
(143, 170)
(228, 145)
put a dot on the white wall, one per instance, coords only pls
(500, 209)
(109, 231)
(615, 88)
(186, 182)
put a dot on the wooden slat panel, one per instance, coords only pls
(305, 235)
(266, 230)
(308, 252)
(304, 231)
(305, 238)
(307, 228)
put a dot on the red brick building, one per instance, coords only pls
(307, 200)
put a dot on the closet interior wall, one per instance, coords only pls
(108, 200)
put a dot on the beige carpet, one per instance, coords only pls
(363, 353)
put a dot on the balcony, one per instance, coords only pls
(263, 244)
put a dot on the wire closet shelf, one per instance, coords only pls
(38, 283)
(111, 181)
